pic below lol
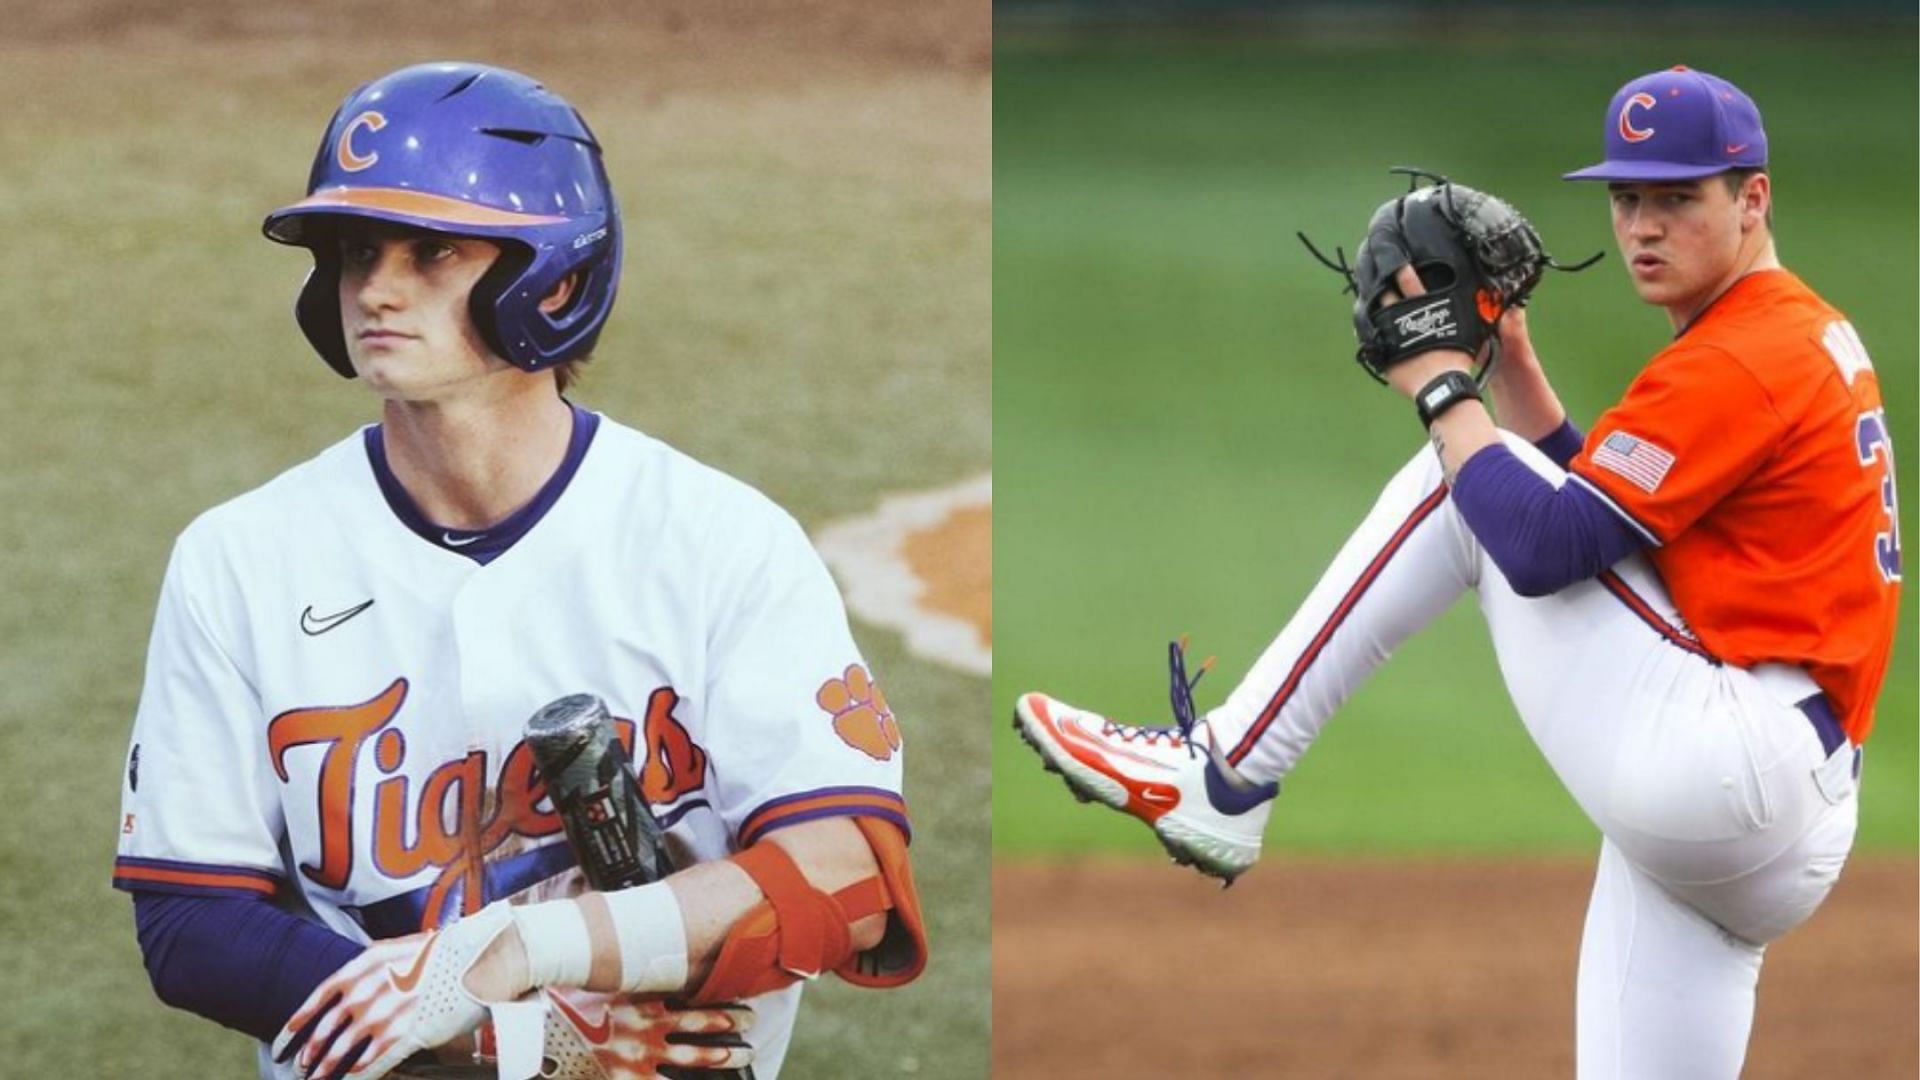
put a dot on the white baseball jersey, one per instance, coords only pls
(333, 704)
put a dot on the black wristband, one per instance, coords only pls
(1444, 392)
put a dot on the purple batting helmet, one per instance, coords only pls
(1679, 124)
(469, 150)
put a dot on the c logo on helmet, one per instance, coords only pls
(1627, 130)
(350, 161)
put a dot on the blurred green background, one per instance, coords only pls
(1183, 439)
(805, 305)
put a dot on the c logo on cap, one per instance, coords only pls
(350, 161)
(1627, 130)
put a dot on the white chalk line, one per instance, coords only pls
(868, 555)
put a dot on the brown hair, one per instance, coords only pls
(568, 372)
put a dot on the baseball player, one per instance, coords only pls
(333, 833)
(1692, 604)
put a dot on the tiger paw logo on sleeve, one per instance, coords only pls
(860, 714)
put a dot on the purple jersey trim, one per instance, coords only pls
(242, 963)
(824, 803)
(133, 874)
(1541, 537)
(485, 545)
(1562, 443)
(897, 817)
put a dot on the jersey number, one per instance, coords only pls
(1875, 444)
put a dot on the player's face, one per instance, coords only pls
(403, 306)
(1682, 241)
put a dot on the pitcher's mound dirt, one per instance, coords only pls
(1389, 970)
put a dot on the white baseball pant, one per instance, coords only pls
(1726, 822)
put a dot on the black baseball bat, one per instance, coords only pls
(590, 779)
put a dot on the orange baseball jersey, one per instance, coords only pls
(1754, 454)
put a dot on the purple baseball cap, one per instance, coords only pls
(1679, 124)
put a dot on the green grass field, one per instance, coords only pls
(1183, 440)
(805, 305)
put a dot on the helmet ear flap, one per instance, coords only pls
(505, 305)
(318, 310)
(483, 304)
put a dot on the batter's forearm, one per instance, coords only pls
(714, 896)
(711, 898)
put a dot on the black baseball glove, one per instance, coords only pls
(1476, 257)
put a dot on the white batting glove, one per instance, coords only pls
(398, 998)
(592, 1036)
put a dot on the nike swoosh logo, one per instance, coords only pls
(1732, 149)
(315, 625)
(447, 539)
(1157, 798)
(406, 981)
(596, 1033)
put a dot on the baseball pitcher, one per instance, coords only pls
(1693, 603)
(333, 831)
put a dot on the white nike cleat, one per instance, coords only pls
(1206, 815)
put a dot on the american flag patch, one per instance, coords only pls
(1642, 463)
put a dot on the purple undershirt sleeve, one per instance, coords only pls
(239, 962)
(1562, 443)
(1541, 538)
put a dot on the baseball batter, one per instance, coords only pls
(1692, 605)
(334, 836)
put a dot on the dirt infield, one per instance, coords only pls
(955, 559)
(1392, 970)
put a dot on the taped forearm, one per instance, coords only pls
(630, 940)
(757, 917)
(238, 962)
(1542, 538)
